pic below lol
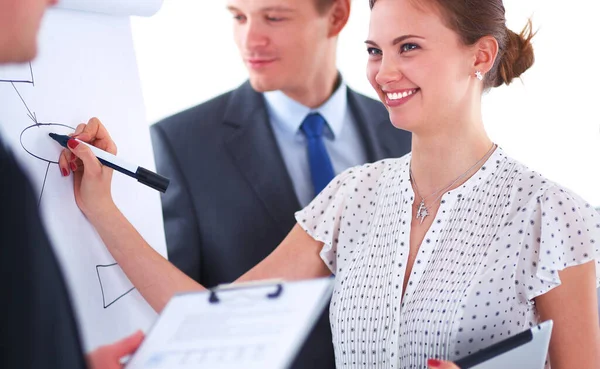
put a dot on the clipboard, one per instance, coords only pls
(527, 349)
(254, 325)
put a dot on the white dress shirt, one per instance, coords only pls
(341, 137)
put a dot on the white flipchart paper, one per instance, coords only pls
(85, 67)
(114, 7)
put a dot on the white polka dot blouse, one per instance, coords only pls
(496, 243)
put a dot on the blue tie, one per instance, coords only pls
(321, 170)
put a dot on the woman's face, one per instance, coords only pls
(420, 69)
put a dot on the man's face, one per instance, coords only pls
(282, 42)
(19, 24)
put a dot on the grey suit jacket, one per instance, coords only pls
(231, 200)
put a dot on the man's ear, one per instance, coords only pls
(485, 54)
(339, 13)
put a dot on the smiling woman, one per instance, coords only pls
(430, 57)
(515, 54)
(492, 247)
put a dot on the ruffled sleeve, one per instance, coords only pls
(322, 217)
(563, 231)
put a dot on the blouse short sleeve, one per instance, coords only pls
(563, 231)
(321, 218)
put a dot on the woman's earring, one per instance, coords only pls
(479, 75)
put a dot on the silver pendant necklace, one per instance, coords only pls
(423, 210)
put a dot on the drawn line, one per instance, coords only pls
(44, 184)
(102, 288)
(37, 125)
(31, 116)
(15, 81)
(118, 298)
(32, 82)
(31, 71)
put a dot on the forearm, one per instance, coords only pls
(296, 258)
(153, 275)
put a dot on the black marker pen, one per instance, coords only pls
(143, 175)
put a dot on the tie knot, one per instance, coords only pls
(312, 126)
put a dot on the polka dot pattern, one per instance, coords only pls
(497, 242)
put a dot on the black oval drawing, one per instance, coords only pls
(42, 147)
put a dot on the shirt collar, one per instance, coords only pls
(289, 114)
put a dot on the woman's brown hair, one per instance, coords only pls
(474, 19)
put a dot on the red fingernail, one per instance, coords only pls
(72, 143)
(73, 166)
(64, 172)
(433, 363)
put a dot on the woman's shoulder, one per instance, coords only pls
(376, 170)
(532, 187)
(350, 198)
(555, 226)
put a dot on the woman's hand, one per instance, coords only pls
(439, 364)
(91, 180)
(109, 356)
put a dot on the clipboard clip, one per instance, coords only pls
(278, 284)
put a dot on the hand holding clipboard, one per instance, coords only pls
(254, 325)
(527, 349)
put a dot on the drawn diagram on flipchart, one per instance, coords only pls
(34, 141)
(85, 66)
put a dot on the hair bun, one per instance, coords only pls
(517, 57)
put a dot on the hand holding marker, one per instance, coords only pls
(143, 175)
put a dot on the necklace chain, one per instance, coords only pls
(423, 210)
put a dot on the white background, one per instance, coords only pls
(186, 55)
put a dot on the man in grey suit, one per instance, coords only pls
(239, 164)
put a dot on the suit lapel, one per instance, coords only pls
(253, 148)
(369, 123)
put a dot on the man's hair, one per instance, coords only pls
(323, 5)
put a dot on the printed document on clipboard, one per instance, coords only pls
(239, 326)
